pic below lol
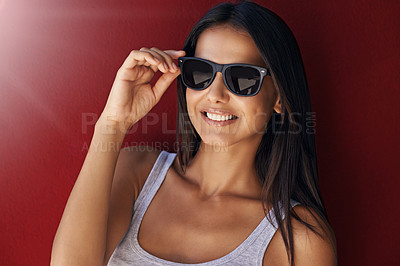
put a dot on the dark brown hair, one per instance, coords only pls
(286, 161)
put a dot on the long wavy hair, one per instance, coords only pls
(286, 161)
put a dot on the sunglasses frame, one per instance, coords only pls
(222, 69)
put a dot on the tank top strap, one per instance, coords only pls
(264, 238)
(153, 182)
(129, 252)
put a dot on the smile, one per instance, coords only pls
(218, 119)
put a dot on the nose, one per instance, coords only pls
(217, 91)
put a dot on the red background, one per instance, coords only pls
(58, 60)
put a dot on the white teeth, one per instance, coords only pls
(219, 117)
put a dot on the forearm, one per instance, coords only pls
(81, 236)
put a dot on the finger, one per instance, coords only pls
(175, 54)
(155, 68)
(161, 66)
(136, 57)
(168, 59)
(163, 83)
(156, 55)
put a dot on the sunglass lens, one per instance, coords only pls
(243, 80)
(196, 74)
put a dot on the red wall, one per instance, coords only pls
(58, 60)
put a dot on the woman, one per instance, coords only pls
(245, 160)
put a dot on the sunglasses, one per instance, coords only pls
(240, 79)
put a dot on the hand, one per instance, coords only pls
(132, 96)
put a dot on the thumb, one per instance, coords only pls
(163, 83)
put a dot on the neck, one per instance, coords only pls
(225, 170)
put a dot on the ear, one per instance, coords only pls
(278, 106)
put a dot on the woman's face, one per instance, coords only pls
(226, 45)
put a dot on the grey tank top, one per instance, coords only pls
(129, 251)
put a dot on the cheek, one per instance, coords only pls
(191, 102)
(192, 96)
(258, 112)
(266, 101)
(258, 119)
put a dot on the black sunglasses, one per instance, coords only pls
(240, 79)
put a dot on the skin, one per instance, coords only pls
(211, 208)
(236, 144)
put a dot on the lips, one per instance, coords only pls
(217, 111)
(218, 117)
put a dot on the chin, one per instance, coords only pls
(216, 140)
(219, 142)
(224, 141)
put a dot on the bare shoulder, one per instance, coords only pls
(134, 165)
(309, 247)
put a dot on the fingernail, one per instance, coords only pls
(156, 59)
(166, 66)
(174, 66)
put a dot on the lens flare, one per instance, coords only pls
(2, 2)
